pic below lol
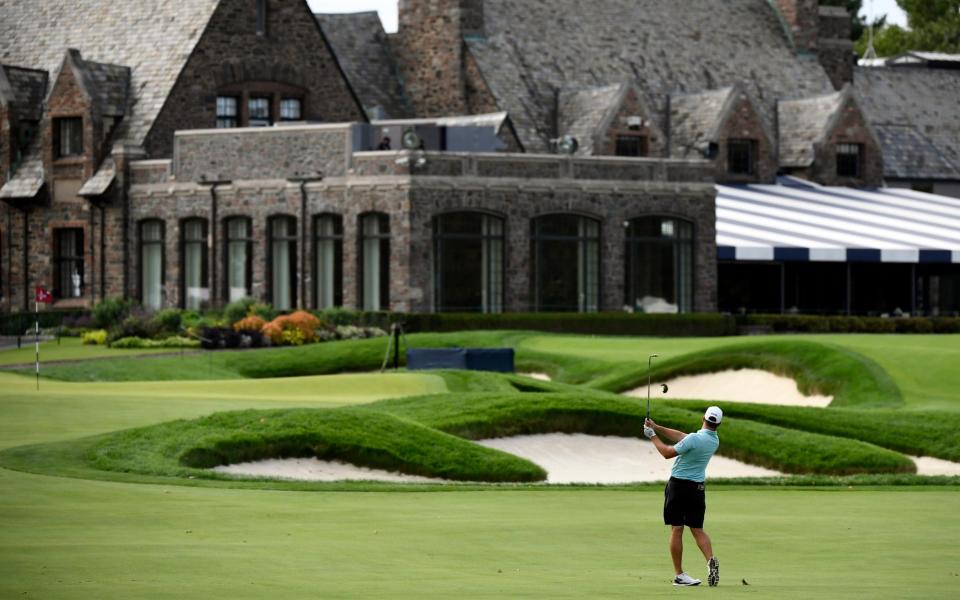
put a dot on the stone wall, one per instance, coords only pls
(294, 52)
(431, 56)
(262, 153)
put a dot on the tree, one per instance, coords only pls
(934, 26)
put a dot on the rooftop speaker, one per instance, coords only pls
(568, 145)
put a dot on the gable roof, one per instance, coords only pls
(24, 90)
(364, 53)
(805, 122)
(154, 39)
(584, 112)
(533, 48)
(920, 99)
(695, 120)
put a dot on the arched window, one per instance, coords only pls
(375, 261)
(468, 262)
(195, 284)
(151, 263)
(238, 257)
(328, 261)
(659, 265)
(282, 262)
(566, 263)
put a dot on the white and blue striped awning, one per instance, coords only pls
(796, 220)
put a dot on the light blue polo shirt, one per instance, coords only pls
(693, 454)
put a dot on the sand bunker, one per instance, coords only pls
(581, 458)
(743, 385)
(539, 376)
(927, 465)
(312, 469)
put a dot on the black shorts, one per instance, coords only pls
(684, 503)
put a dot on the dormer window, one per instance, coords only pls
(68, 137)
(849, 160)
(741, 157)
(290, 109)
(631, 145)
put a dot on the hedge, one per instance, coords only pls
(852, 324)
(19, 323)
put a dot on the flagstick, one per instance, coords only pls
(37, 332)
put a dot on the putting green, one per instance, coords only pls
(69, 348)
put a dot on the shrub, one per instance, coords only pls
(216, 338)
(264, 311)
(167, 320)
(136, 324)
(281, 330)
(95, 338)
(170, 342)
(251, 323)
(237, 310)
(350, 332)
(110, 312)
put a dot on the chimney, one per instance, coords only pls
(431, 52)
(835, 48)
(801, 19)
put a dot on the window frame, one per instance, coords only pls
(59, 259)
(536, 237)
(204, 255)
(642, 140)
(234, 118)
(58, 138)
(631, 240)
(384, 262)
(292, 240)
(284, 118)
(750, 145)
(338, 239)
(162, 242)
(439, 237)
(248, 240)
(857, 160)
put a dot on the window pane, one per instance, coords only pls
(375, 262)
(151, 264)
(68, 263)
(567, 263)
(329, 261)
(238, 259)
(194, 262)
(631, 145)
(69, 136)
(848, 160)
(659, 269)
(259, 109)
(290, 109)
(227, 115)
(740, 157)
(283, 249)
(468, 266)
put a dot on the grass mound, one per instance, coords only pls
(851, 378)
(365, 438)
(479, 416)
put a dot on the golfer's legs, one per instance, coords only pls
(676, 547)
(703, 541)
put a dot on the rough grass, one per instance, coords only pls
(916, 432)
(851, 378)
(376, 440)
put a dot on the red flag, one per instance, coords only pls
(43, 295)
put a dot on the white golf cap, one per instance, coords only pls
(713, 415)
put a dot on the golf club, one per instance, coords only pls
(649, 362)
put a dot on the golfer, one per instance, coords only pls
(685, 495)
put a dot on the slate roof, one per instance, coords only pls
(583, 113)
(99, 183)
(803, 123)
(695, 119)
(108, 84)
(29, 176)
(533, 48)
(363, 50)
(920, 99)
(26, 88)
(154, 39)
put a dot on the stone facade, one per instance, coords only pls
(742, 122)
(232, 57)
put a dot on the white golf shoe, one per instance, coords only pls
(714, 576)
(684, 580)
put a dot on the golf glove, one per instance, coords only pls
(649, 432)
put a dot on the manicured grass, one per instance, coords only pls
(66, 539)
(69, 348)
(851, 378)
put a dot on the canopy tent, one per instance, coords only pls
(796, 220)
(801, 246)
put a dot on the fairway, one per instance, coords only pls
(73, 538)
